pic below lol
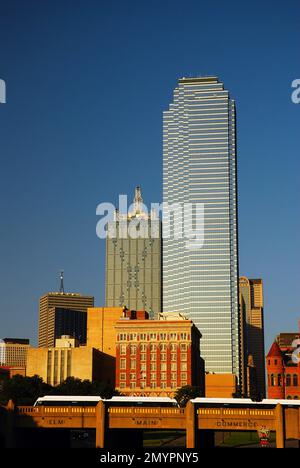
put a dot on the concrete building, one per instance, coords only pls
(200, 169)
(283, 367)
(67, 359)
(156, 357)
(62, 313)
(133, 259)
(95, 361)
(220, 385)
(252, 337)
(13, 352)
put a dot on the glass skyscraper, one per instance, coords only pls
(199, 167)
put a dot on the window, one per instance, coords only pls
(122, 376)
(132, 337)
(279, 380)
(122, 363)
(173, 347)
(153, 376)
(183, 357)
(132, 384)
(275, 362)
(183, 347)
(143, 384)
(132, 364)
(133, 350)
(143, 357)
(153, 366)
(183, 366)
(143, 367)
(163, 336)
(173, 336)
(174, 366)
(153, 336)
(153, 384)
(163, 367)
(163, 347)
(288, 380)
(163, 376)
(173, 357)
(122, 385)
(295, 380)
(123, 337)
(173, 384)
(183, 376)
(272, 380)
(163, 385)
(123, 349)
(143, 336)
(132, 376)
(173, 376)
(183, 336)
(153, 357)
(163, 357)
(143, 347)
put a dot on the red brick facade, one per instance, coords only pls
(283, 373)
(155, 357)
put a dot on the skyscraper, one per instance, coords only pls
(252, 331)
(199, 167)
(62, 314)
(133, 264)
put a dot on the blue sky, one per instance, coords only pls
(87, 83)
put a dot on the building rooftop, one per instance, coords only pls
(275, 351)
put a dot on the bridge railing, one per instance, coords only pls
(146, 411)
(45, 410)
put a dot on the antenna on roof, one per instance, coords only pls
(62, 289)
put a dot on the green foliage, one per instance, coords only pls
(186, 393)
(72, 386)
(25, 390)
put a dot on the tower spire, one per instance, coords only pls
(62, 289)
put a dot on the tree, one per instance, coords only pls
(186, 393)
(23, 390)
(73, 386)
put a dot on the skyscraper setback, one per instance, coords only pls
(199, 167)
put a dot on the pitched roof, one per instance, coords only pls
(275, 351)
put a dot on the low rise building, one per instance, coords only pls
(283, 367)
(156, 357)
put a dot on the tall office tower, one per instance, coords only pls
(252, 334)
(133, 260)
(199, 167)
(62, 314)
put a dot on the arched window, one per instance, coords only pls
(288, 380)
(295, 380)
(279, 380)
(289, 397)
(272, 381)
(296, 397)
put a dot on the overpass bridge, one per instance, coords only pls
(123, 426)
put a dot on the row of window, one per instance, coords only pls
(153, 376)
(153, 336)
(143, 348)
(153, 359)
(277, 380)
(153, 384)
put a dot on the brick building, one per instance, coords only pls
(283, 372)
(155, 357)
